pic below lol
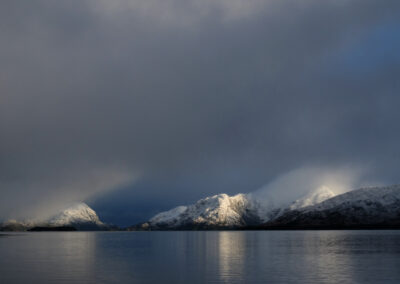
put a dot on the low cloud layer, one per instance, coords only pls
(177, 99)
(298, 183)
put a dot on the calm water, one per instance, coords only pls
(201, 257)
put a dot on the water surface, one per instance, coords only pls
(201, 257)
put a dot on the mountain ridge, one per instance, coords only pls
(364, 207)
(222, 211)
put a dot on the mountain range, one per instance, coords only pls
(228, 212)
(373, 207)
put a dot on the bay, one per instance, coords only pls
(201, 257)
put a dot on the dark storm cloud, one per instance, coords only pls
(193, 97)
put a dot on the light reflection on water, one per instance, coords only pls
(231, 255)
(201, 257)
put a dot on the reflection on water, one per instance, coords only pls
(231, 255)
(201, 257)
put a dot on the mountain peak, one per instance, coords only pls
(213, 211)
(77, 213)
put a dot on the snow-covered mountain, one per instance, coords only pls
(375, 206)
(79, 215)
(224, 211)
(219, 210)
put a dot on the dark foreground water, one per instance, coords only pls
(201, 257)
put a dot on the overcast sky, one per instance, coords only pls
(139, 106)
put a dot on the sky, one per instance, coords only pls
(139, 106)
